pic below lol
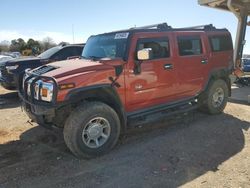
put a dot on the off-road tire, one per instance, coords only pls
(205, 101)
(77, 122)
(8, 87)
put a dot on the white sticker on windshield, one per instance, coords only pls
(121, 35)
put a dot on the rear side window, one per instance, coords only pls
(220, 43)
(159, 46)
(189, 45)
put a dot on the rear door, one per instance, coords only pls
(192, 62)
(221, 50)
(156, 82)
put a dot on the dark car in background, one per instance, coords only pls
(11, 72)
(246, 65)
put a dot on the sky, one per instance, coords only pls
(75, 20)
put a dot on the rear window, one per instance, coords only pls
(189, 45)
(220, 43)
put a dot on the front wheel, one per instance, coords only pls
(215, 99)
(8, 87)
(92, 130)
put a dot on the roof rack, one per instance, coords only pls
(205, 27)
(161, 26)
(165, 26)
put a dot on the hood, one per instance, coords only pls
(75, 66)
(22, 61)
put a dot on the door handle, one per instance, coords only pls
(168, 66)
(204, 61)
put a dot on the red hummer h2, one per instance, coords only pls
(129, 77)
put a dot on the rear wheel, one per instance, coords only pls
(215, 99)
(92, 130)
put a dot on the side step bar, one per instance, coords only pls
(136, 120)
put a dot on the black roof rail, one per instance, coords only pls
(161, 26)
(166, 27)
(205, 27)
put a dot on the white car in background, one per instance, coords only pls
(5, 58)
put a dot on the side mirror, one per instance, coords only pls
(145, 54)
(142, 55)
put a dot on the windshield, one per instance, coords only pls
(106, 46)
(48, 53)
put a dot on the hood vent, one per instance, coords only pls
(44, 69)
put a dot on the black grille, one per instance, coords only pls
(4, 72)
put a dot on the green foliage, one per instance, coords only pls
(17, 45)
(4, 48)
(37, 47)
(34, 45)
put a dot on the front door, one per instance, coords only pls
(156, 82)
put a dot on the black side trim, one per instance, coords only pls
(77, 91)
(102, 92)
(158, 108)
(222, 73)
(161, 112)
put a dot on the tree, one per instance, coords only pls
(4, 46)
(34, 45)
(47, 43)
(17, 45)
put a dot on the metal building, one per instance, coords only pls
(241, 9)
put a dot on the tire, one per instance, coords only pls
(85, 124)
(215, 99)
(8, 87)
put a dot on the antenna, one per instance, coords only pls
(73, 33)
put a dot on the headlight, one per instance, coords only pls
(42, 90)
(10, 68)
(45, 92)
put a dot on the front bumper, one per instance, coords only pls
(40, 114)
(39, 111)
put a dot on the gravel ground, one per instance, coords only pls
(197, 150)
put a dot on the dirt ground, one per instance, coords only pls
(197, 150)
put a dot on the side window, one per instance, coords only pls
(189, 45)
(75, 51)
(67, 52)
(79, 51)
(220, 43)
(59, 55)
(159, 46)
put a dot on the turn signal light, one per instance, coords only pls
(66, 86)
(44, 92)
